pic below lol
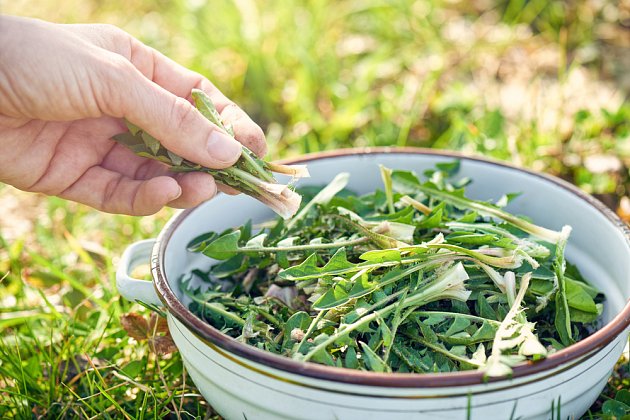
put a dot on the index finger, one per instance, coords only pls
(174, 78)
(180, 81)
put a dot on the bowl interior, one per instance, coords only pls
(597, 245)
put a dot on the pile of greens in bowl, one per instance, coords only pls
(411, 278)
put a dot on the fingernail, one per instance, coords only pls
(223, 147)
(177, 194)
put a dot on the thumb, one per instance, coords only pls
(175, 122)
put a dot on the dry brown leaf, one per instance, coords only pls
(157, 324)
(139, 328)
(162, 345)
(135, 325)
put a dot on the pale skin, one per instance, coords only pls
(65, 90)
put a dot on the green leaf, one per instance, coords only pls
(381, 255)
(473, 238)
(486, 332)
(460, 307)
(462, 338)
(128, 139)
(134, 368)
(386, 332)
(151, 142)
(578, 298)
(351, 361)
(133, 129)
(449, 168)
(592, 291)
(337, 265)
(428, 333)
(300, 320)
(372, 360)
(206, 107)
(562, 319)
(229, 267)
(176, 160)
(555, 343)
(459, 324)
(282, 258)
(338, 261)
(334, 297)
(469, 217)
(585, 317)
(458, 350)
(615, 408)
(623, 396)
(322, 356)
(410, 357)
(405, 215)
(360, 307)
(307, 269)
(201, 241)
(433, 319)
(405, 182)
(361, 287)
(159, 158)
(224, 247)
(434, 219)
(246, 231)
(485, 309)
(396, 274)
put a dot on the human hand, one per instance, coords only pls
(64, 92)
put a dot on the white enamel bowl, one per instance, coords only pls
(242, 382)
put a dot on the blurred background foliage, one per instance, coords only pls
(542, 84)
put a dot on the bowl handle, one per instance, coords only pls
(135, 289)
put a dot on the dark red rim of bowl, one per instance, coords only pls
(208, 334)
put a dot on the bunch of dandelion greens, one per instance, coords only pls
(415, 278)
(250, 174)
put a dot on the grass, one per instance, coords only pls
(540, 83)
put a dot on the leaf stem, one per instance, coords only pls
(310, 330)
(416, 205)
(386, 175)
(487, 210)
(305, 247)
(442, 350)
(213, 307)
(255, 166)
(456, 315)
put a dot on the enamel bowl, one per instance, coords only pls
(242, 382)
